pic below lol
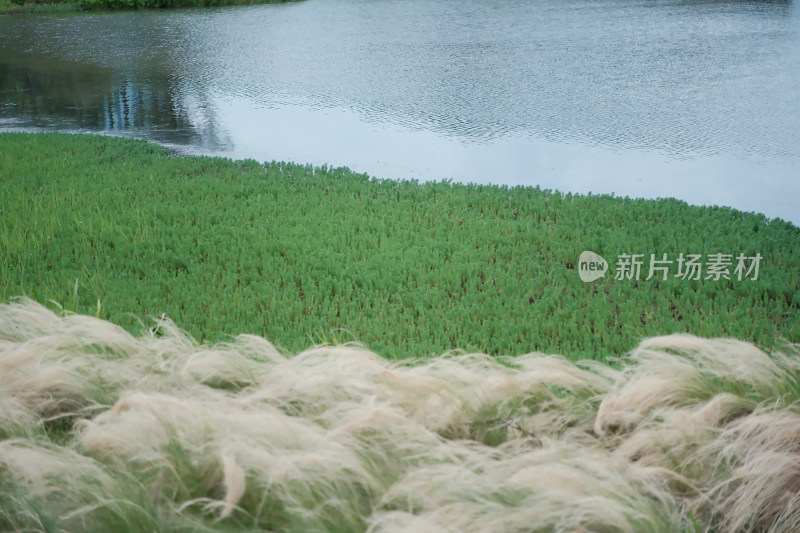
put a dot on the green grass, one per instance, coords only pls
(122, 230)
(12, 7)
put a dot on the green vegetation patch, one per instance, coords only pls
(39, 6)
(300, 255)
(11, 7)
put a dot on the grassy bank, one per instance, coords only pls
(10, 7)
(120, 229)
(101, 430)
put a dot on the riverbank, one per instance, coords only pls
(121, 229)
(12, 7)
(9, 7)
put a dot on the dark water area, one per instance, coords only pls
(698, 100)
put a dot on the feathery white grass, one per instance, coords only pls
(103, 430)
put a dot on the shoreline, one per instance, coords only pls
(9, 7)
(181, 150)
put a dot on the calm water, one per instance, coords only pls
(694, 99)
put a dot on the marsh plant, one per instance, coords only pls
(299, 254)
(102, 430)
(37, 6)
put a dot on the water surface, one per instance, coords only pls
(694, 99)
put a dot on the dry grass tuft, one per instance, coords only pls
(103, 430)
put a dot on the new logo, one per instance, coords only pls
(591, 266)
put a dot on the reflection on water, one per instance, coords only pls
(73, 97)
(687, 98)
(130, 105)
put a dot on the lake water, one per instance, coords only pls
(693, 99)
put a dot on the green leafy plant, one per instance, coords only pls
(295, 252)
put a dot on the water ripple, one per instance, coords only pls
(684, 78)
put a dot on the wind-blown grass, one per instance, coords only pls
(103, 430)
(303, 255)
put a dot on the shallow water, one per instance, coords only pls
(694, 99)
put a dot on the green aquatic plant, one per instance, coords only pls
(294, 252)
(43, 6)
